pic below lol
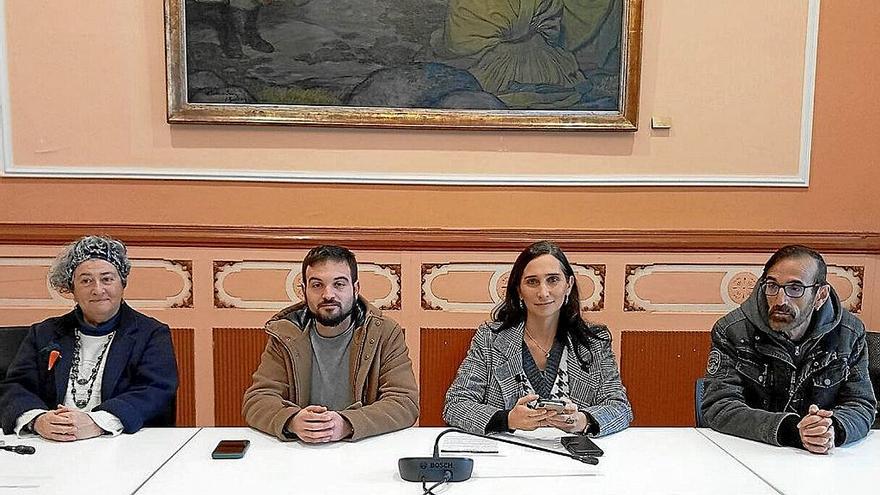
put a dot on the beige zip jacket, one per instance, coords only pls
(386, 397)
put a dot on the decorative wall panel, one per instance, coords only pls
(705, 288)
(436, 284)
(236, 356)
(441, 351)
(659, 370)
(479, 287)
(186, 392)
(153, 284)
(273, 285)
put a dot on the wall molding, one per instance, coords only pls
(425, 239)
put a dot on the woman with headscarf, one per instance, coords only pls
(539, 347)
(102, 368)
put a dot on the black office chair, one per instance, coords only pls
(10, 341)
(698, 400)
(873, 339)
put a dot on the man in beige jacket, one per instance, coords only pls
(334, 368)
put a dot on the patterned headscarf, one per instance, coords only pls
(88, 248)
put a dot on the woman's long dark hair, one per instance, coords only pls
(510, 312)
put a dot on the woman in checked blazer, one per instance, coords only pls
(538, 347)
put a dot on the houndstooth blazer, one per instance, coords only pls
(491, 375)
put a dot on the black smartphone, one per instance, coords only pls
(230, 449)
(581, 445)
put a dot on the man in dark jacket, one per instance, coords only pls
(790, 366)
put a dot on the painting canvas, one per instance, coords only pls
(554, 64)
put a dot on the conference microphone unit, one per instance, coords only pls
(437, 468)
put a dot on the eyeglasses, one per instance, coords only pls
(791, 290)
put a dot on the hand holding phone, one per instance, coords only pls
(230, 449)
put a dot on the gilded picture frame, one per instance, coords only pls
(448, 64)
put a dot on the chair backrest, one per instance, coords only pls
(10, 341)
(873, 339)
(168, 417)
(698, 400)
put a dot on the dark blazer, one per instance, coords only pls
(140, 375)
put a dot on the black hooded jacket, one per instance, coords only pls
(759, 384)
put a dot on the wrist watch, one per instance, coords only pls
(588, 424)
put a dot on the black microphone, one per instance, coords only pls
(586, 459)
(18, 449)
(438, 468)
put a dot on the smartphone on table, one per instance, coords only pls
(230, 449)
(581, 445)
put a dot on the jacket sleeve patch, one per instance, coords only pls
(714, 362)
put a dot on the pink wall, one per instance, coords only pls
(841, 196)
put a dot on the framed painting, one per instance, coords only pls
(480, 64)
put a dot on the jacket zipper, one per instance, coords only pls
(360, 358)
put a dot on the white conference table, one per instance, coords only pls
(103, 465)
(854, 468)
(637, 461)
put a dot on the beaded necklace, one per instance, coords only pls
(74, 371)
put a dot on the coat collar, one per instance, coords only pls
(508, 342)
(293, 321)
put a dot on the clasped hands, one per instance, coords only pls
(315, 424)
(65, 424)
(816, 430)
(523, 417)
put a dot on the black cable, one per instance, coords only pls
(586, 459)
(429, 491)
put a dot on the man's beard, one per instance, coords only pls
(786, 327)
(332, 321)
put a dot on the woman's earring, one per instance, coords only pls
(566, 300)
(522, 304)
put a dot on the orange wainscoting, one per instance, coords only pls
(236, 355)
(659, 370)
(441, 351)
(182, 339)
